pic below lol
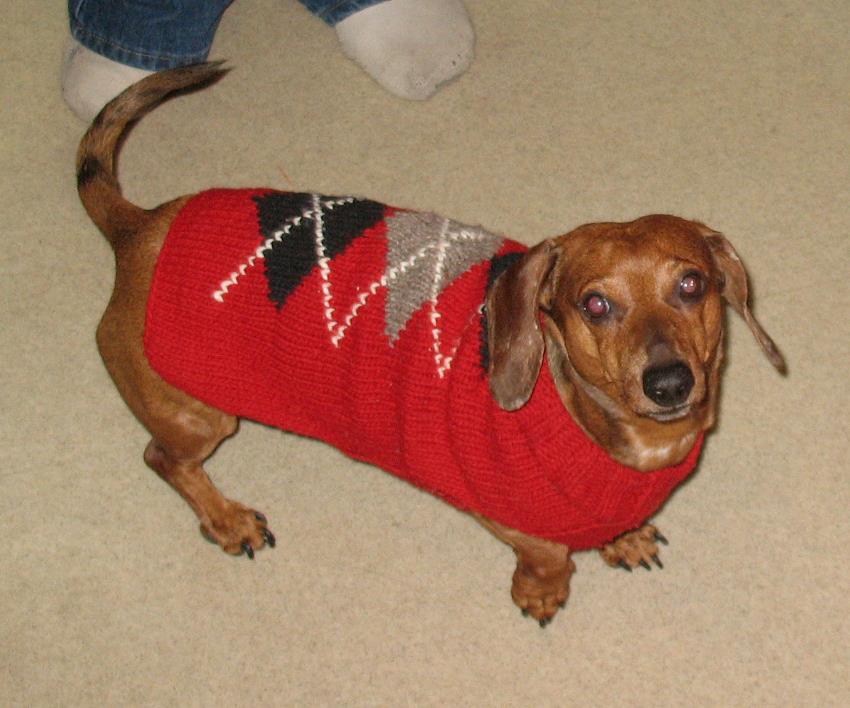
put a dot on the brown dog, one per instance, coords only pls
(629, 316)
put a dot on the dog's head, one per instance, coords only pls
(632, 319)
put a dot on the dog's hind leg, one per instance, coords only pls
(185, 431)
(177, 453)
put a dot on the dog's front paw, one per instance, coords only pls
(540, 590)
(635, 548)
(238, 530)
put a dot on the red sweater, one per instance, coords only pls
(363, 325)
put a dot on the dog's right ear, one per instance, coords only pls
(514, 337)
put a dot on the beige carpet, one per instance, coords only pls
(736, 113)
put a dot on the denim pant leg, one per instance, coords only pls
(160, 34)
(148, 34)
(333, 11)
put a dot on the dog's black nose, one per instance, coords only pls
(668, 385)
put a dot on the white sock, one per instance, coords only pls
(410, 47)
(90, 81)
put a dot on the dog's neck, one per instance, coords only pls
(640, 443)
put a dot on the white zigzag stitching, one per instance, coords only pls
(443, 363)
(337, 329)
(442, 360)
(324, 263)
(260, 253)
(390, 276)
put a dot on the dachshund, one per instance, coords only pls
(557, 393)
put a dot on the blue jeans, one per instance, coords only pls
(161, 34)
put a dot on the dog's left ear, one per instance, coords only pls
(736, 293)
(514, 338)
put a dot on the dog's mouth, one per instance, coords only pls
(670, 414)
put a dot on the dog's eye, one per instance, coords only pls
(595, 306)
(691, 286)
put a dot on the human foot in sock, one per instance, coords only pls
(410, 47)
(90, 81)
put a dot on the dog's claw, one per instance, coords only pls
(246, 547)
(660, 538)
(633, 549)
(270, 539)
(260, 517)
(544, 622)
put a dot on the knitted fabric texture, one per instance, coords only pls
(363, 325)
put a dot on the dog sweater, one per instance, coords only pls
(364, 326)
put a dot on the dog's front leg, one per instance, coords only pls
(541, 581)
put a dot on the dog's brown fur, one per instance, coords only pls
(600, 367)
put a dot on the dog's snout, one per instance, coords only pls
(668, 385)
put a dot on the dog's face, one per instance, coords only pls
(633, 320)
(638, 310)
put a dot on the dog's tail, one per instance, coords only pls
(97, 183)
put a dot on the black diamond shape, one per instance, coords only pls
(291, 258)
